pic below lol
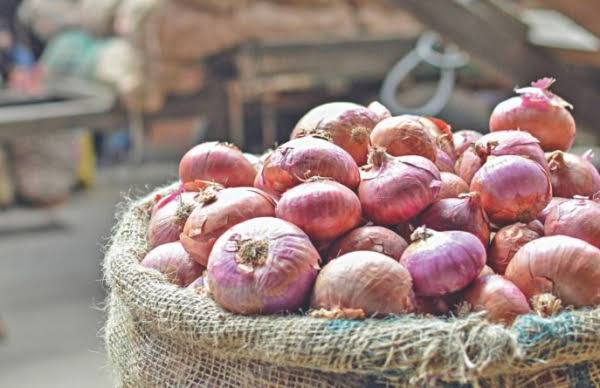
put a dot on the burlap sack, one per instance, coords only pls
(158, 335)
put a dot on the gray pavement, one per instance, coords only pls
(50, 290)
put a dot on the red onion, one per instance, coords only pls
(443, 262)
(563, 266)
(443, 162)
(540, 112)
(507, 242)
(551, 205)
(396, 189)
(486, 271)
(262, 266)
(370, 238)
(502, 300)
(347, 124)
(463, 139)
(404, 135)
(463, 213)
(300, 159)
(323, 209)
(452, 186)
(380, 110)
(169, 217)
(198, 285)
(573, 175)
(173, 261)
(579, 218)
(441, 132)
(219, 212)
(468, 164)
(218, 162)
(363, 280)
(513, 189)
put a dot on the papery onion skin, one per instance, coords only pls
(443, 162)
(463, 139)
(539, 112)
(464, 213)
(486, 271)
(396, 189)
(262, 266)
(370, 238)
(551, 205)
(468, 164)
(579, 218)
(452, 186)
(564, 266)
(507, 242)
(173, 261)
(380, 110)
(217, 162)
(221, 211)
(573, 175)
(443, 262)
(300, 159)
(502, 300)
(323, 209)
(441, 132)
(404, 135)
(167, 221)
(346, 123)
(513, 189)
(366, 280)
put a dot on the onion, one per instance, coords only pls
(173, 261)
(563, 266)
(300, 159)
(579, 218)
(443, 262)
(551, 205)
(440, 131)
(380, 110)
(220, 211)
(540, 112)
(396, 189)
(463, 139)
(468, 164)
(507, 242)
(443, 162)
(513, 189)
(452, 186)
(347, 124)
(502, 300)
(486, 271)
(169, 217)
(218, 162)
(323, 209)
(367, 281)
(262, 266)
(370, 238)
(573, 175)
(463, 213)
(404, 135)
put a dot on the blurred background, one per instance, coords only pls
(100, 98)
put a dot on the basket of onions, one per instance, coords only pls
(367, 250)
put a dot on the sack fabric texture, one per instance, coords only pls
(158, 335)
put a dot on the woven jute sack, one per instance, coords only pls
(158, 335)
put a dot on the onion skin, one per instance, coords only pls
(217, 162)
(323, 209)
(452, 186)
(173, 261)
(441, 133)
(404, 135)
(395, 189)
(507, 242)
(463, 139)
(169, 217)
(363, 280)
(539, 112)
(502, 300)
(551, 205)
(579, 218)
(573, 175)
(563, 266)
(513, 189)
(262, 266)
(370, 238)
(443, 262)
(347, 124)
(221, 211)
(486, 271)
(380, 110)
(300, 159)
(443, 162)
(468, 164)
(464, 213)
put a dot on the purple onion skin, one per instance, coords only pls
(443, 262)
(579, 218)
(555, 201)
(463, 139)
(173, 261)
(513, 143)
(280, 281)
(444, 162)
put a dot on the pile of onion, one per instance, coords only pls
(396, 189)
(579, 217)
(173, 261)
(452, 186)
(262, 266)
(370, 238)
(540, 112)
(404, 135)
(347, 124)
(573, 175)
(507, 241)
